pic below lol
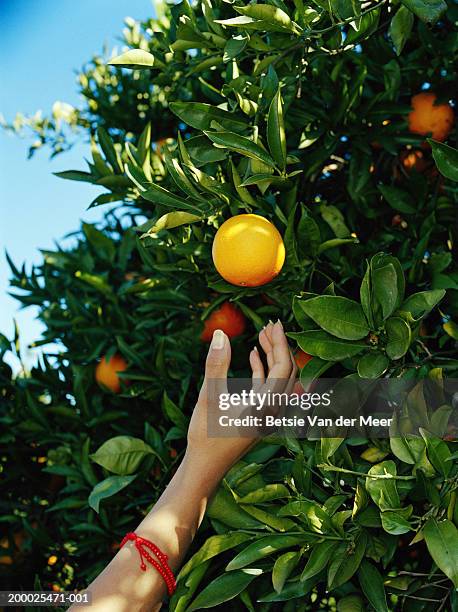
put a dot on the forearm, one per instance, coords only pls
(171, 525)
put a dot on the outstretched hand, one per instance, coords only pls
(217, 455)
(175, 517)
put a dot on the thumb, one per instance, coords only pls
(216, 367)
(218, 358)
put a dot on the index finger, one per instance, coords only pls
(281, 368)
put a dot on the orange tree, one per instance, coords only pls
(304, 114)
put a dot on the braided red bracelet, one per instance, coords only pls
(162, 567)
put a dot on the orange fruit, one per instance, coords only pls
(413, 160)
(301, 358)
(248, 250)
(52, 560)
(228, 318)
(18, 538)
(428, 118)
(106, 372)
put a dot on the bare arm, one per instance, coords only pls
(175, 518)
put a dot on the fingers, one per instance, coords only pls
(216, 367)
(266, 344)
(282, 365)
(218, 356)
(274, 342)
(258, 376)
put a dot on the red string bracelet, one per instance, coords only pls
(162, 567)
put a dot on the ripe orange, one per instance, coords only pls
(228, 318)
(428, 118)
(106, 372)
(18, 538)
(301, 358)
(248, 250)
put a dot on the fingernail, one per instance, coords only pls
(255, 349)
(279, 323)
(271, 322)
(218, 339)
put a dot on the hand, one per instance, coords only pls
(217, 455)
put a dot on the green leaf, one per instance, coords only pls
(372, 586)
(169, 221)
(308, 234)
(179, 177)
(428, 11)
(345, 562)
(108, 487)
(235, 46)
(373, 365)
(185, 591)
(263, 547)
(419, 304)
(76, 175)
(214, 546)
(270, 15)
(334, 243)
(159, 195)
(328, 447)
(383, 491)
(202, 150)
(344, 9)
(441, 538)
(225, 509)
(350, 603)
(174, 413)
(446, 159)
(401, 28)
(200, 116)
(122, 454)
(365, 295)
(109, 150)
(134, 58)
(268, 519)
(242, 145)
(264, 494)
(316, 517)
(398, 199)
(69, 503)
(335, 219)
(313, 369)
(338, 316)
(276, 131)
(96, 282)
(319, 558)
(282, 568)
(102, 244)
(384, 289)
(325, 346)
(407, 449)
(438, 452)
(221, 589)
(394, 523)
(398, 337)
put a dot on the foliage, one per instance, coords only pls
(297, 112)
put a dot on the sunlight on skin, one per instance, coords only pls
(175, 518)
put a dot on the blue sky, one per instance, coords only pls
(43, 44)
